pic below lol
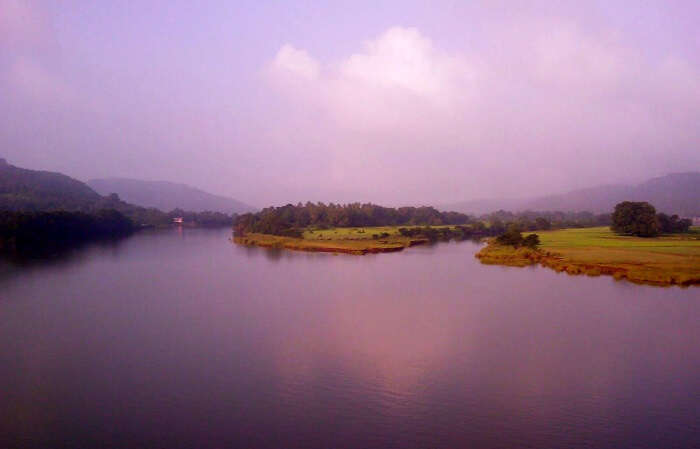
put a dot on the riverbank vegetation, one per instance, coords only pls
(355, 228)
(672, 259)
(360, 228)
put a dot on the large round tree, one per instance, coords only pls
(635, 218)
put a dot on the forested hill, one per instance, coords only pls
(167, 195)
(32, 190)
(676, 193)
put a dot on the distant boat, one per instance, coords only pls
(178, 220)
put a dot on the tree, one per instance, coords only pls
(672, 224)
(497, 226)
(531, 241)
(635, 218)
(542, 223)
(511, 237)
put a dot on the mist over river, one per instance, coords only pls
(182, 339)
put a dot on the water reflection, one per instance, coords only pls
(18, 263)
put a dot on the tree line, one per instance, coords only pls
(290, 220)
(544, 220)
(152, 217)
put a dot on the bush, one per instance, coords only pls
(672, 224)
(531, 241)
(511, 237)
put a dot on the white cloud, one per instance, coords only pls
(402, 58)
(395, 79)
(541, 94)
(296, 62)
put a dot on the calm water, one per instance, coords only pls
(184, 340)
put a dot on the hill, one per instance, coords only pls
(22, 189)
(165, 195)
(676, 193)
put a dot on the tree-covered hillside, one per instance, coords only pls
(32, 190)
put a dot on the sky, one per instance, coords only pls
(398, 102)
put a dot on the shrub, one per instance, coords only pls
(531, 241)
(511, 237)
(672, 224)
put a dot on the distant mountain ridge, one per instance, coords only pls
(675, 193)
(167, 196)
(23, 189)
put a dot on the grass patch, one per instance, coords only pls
(665, 260)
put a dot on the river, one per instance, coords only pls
(181, 339)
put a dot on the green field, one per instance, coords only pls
(362, 233)
(665, 260)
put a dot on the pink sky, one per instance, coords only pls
(391, 102)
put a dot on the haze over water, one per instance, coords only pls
(183, 339)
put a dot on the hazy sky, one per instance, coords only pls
(393, 102)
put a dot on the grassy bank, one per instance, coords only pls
(337, 240)
(666, 260)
